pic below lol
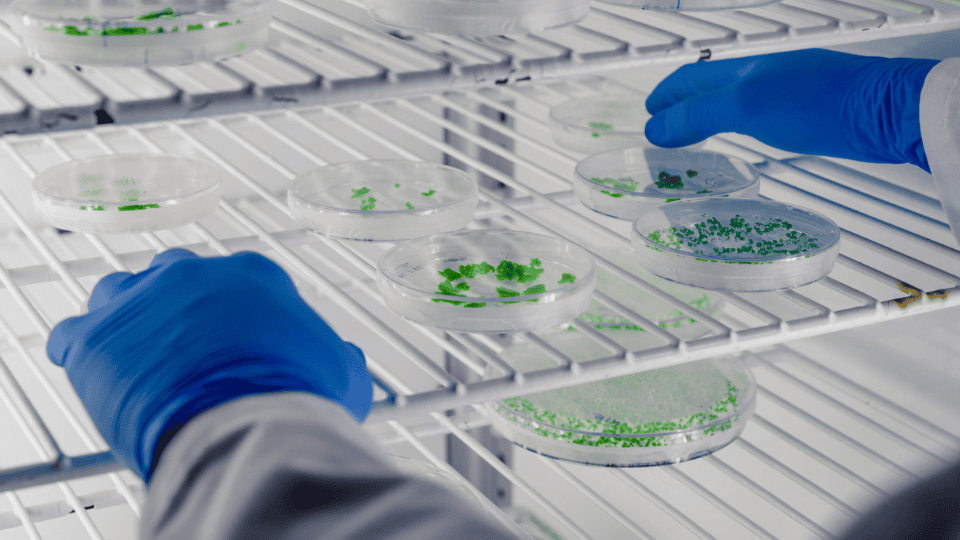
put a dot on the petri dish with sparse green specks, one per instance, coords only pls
(477, 17)
(383, 200)
(650, 418)
(624, 183)
(127, 193)
(137, 33)
(601, 123)
(729, 244)
(490, 281)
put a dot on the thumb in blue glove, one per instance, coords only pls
(160, 347)
(810, 102)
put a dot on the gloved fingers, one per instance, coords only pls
(693, 120)
(172, 255)
(63, 336)
(255, 264)
(107, 288)
(699, 78)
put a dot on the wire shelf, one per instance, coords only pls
(897, 260)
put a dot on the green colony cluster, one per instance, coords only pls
(664, 181)
(505, 272)
(129, 194)
(166, 14)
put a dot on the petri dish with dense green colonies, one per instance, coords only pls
(477, 17)
(383, 200)
(655, 417)
(601, 123)
(490, 281)
(135, 33)
(126, 193)
(729, 244)
(624, 183)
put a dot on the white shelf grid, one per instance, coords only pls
(329, 52)
(47, 276)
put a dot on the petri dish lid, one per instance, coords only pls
(476, 18)
(745, 245)
(135, 33)
(649, 418)
(600, 123)
(624, 183)
(487, 280)
(127, 193)
(383, 200)
(690, 5)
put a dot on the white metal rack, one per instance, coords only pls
(328, 51)
(829, 438)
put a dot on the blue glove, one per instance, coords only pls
(810, 102)
(160, 347)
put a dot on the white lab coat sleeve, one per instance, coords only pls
(291, 465)
(940, 130)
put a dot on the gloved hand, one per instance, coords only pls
(811, 102)
(160, 347)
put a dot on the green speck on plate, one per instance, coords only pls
(131, 207)
(428, 193)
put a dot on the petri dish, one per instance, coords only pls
(487, 281)
(690, 5)
(477, 17)
(135, 33)
(651, 418)
(742, 245)
(625, 183)
(383, 200)
(602, 123)
(127, 193)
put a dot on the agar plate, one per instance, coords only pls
(135, 33)
(487, 281)
(743, 245)
(477, 17)
(691, 5)
(383, 200)
(655, 417)
(601, 123)
(624, 183)
(127, 193)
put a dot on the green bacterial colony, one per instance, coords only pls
(166, 14)
(370, 203)
(600, 126)
(664, 181)
(613, 322)
(129, 195)
(614, 427)
(506, 271)
(791, 242)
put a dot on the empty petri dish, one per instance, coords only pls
(383, 200)
(624, 183)
(601, 123)
(477, 17)
(138, 33)
(655, 417)
(487, 281)
(691, 5)
(744, 245)
(127, 193)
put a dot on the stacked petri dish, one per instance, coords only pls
(743, 245)
(477, 17)
(383, 200)
(136, 33)
(490, 281)
(690, 5)
(127, 193)
(651, 418)
(624, 183)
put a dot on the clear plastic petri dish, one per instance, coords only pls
(690, 5)
(487, 281)
(383, 200)
(477, 17)
(137, 33)
(602, 123)
(127, 193)
(625, 183)
(743, 245)
(651, 418)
